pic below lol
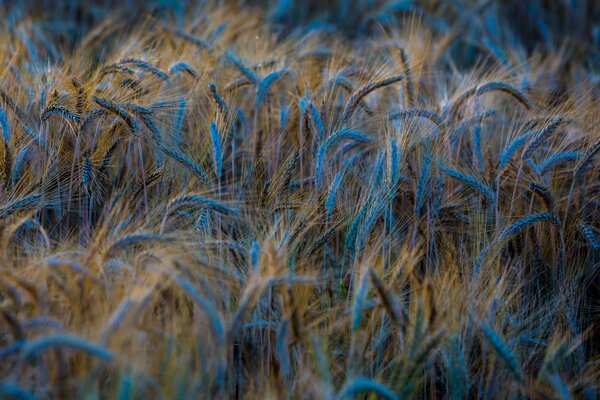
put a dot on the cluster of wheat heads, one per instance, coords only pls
(212, 211)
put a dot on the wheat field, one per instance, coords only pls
(300, 200)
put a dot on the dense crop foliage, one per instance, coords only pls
(388, 199)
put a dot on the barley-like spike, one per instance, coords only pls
(177, 128)
(506, 88)
(81, 96)
(363, 91)
(417, 330)
(216, 325)
(335, 138)
(114, 108)
(554, 355)
(437, 202)
(408, 83)
(110, 151)
(345, 134)
(511, 230)
(14, 391)
(282, 349)
(321, 52)
(219, 101)
(10, 103)
(21, 116)
(115, 319)
(394, 164)
(316, 119)
(457, 369)
(203, 221)
(419, 358)
(132, 239)
(136, 108)
(14, 325)
(90, 116)
(476, 147)
(167, 104)
(320, 359)
(541, 136)
(303, 103)
(321, 152)
(4, 127)
(86, 171)
(237, 83)
(7, 165)
(216, 147)
(284, 114)
(371, 218)
(588, 233)
(27, 203)
(496, 52)
(182, 66)
(146, 66)
(290, 168)
(522, 223)
(503, 351)
(343, 82)
(246, 71)
(192, 39)
(544, 193)
(586, 160)
(116, 69)
(557, 159)
(265, 84)
(358, 301)
(452, 108)
(350, 239)
(19, 163)
(151, 178)
(246, 303)
(389, 302)
(254, 255)
(186, 162)
(131, 83)
(68, 115)
(338, 80)
(512, 147)
(197, 200)
(419, 113)
(365, 385)
(423, 178)
(154, 131)
(320, 240)
(559, 385)
(473, 183)
(34, 347)
(331, 194)
(467, 123)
